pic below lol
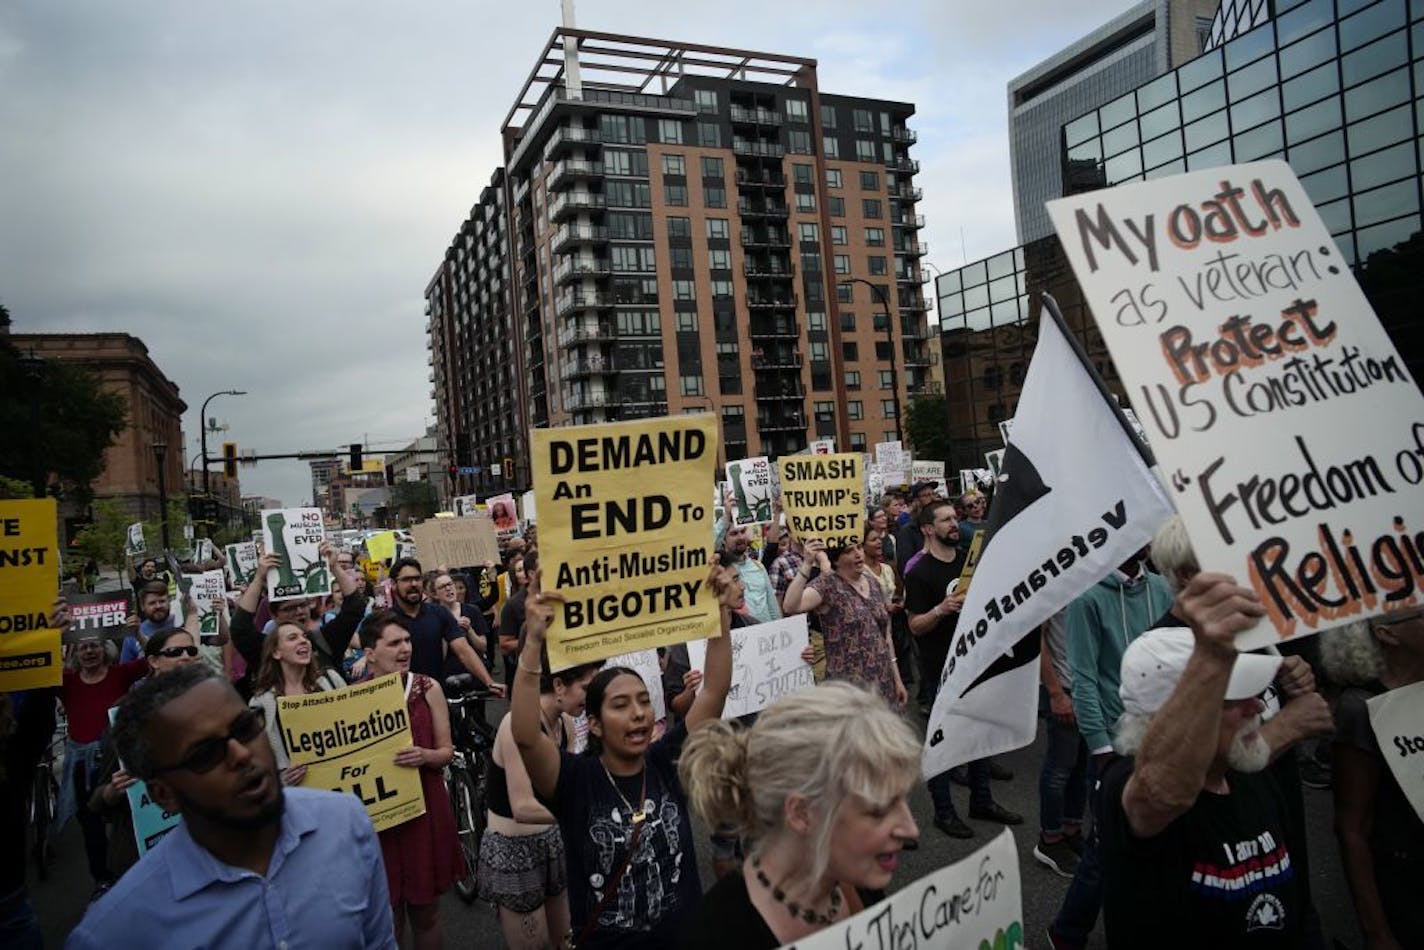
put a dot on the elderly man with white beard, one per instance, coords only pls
(1196, 846)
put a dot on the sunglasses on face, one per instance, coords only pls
(212, 752)
(174, 653)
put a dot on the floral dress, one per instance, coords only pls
(854, 626)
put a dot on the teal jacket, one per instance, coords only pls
(1101, 623)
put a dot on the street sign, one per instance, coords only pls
(471, 470)
(494, 469)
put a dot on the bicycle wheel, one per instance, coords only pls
(44, 793)
(470, 826)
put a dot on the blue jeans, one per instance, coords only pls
(1079, 913)
(1063, 780)
(979, 794)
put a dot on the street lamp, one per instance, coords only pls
(160, 449)
(203, 424)
(890, 336)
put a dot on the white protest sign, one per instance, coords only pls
(295, 535)
(894, 462)
(766, 664)
(527, 509)
(823, 447)
(976, 902)
(928, 470)
(874, 483)
(134, 542)
(1253, 359)
(241, 563)
(207, 590)
(750, 482)
(206, 551)
(1397, 718)
(504, 515)
(645, 664)
(465, 505)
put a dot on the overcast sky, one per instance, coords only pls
(260, 191)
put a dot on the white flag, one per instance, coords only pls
(1076, 500)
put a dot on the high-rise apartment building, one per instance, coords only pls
(712, 234)
(1142, 42)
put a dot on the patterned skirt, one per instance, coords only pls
(521, 872)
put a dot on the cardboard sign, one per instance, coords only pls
(348, 738)
(976, 902)
(208, 591)
(504, 515)
(645, 664)
(295, 534)
(750, 482)
(766, 664)
(29, 584)
(453, 542)
(241, 563)
(823, 497)
(97, 615)
(150, 821)
(134, 542)
(625, 534)
(1254, 361)
(1397, 718)
(894, 462)
(381, 546)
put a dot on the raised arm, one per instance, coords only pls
(798, 599)
(537, 751)
(717, 680)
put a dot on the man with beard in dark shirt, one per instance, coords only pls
(433, 629)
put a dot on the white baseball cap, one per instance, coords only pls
(1154, 662)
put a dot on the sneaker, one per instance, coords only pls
(954, 827)
(996, 812)
(959, 775)
(1000, 773)
(1057, 856)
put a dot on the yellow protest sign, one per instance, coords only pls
(381, 546)
(823, 497)
(29, 583)
(971, 560)
(348, 739)
(625, 534)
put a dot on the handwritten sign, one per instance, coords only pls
(1253, 358)
(348, 739)
(97, 615)
(645, 664)
(625, 533)
(894, 462)
(29, 583)
(240, 561)
(750, 482)
(295, 535)
(766, 664)
(454, 542)
(1397, 718)
(824, 497)
(976, 902)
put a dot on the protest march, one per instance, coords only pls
(1145, 671)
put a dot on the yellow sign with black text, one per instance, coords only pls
(348, 740)
(29, 584)
(823, 497)
(625, 534)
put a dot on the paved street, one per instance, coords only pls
(60, 900)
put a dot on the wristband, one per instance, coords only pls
(525, 669)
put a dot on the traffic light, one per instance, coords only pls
(454, 471)
(229, 457)
(355, 457)
(508, 469)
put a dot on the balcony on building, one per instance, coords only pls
(758, 149)
(901, 134)
(770, 237)
(742, 115)
(571, 203)
(580, 401)
(576, 268)
(908, 221)
(907, 193)
(766, 178)
(776, 357)
(595, 364)
(779, 389)
(763, 209)
(912, 276)
(914, 249)
(599, 332)
(764, 325)
(792, 421)
(570, 170)
(757, 270)
(571, 136)
(570, 234)
(913, 302)
(900, 163)
(771, 301)
(570, 301)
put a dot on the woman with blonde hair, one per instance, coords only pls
(286, 669)
(820, 787)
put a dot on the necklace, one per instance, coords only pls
(806, 914)
(635, 815)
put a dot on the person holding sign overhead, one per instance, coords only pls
(620, 806)
(422, 855)
(820, 786)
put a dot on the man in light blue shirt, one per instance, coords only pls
(253, 864)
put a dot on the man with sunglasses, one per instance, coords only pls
(433, 629)
(251, 864)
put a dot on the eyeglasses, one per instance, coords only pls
(211, 752)
(174, 653)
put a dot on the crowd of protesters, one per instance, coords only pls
(1170, 786)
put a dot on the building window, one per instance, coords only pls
(805, 201)
(877, 266)
(798, 141)
(833, 177)
(684, 290)
(679, 227)
(875, 237)
(711, 167)
(870, 181)
(691, 385)
(687, 322)
(828, 116)
(887, 408)
(796, 110)
(842, 262)
(847, 321)
(865, 150)
(857, 441)
(862, 120)
(709, 134)
(719, 259)
(616, 161)
(811, 262)
(852, 379)
(831, 146)
(679, 258)
(886, 375)
(845, 293)
(674, 165)
(850, 352)
(839, 235)
(717, 228)
(802, 174)
(721, 288)
(870, 208)
(816, 322)
(836, 205)
(714, 197)
(675, 195)
(855, 409)
(670, 131)
(820, 351)
(706, 100)
(809, 231)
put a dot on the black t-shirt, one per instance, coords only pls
(511, 618)
(661, 884)
(726, 918)
(1395, 827)
(925, 588)
(1221, 876)
(431, 629)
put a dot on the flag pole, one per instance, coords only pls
(1051, 305)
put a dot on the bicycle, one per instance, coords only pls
(465, 776)
(44, 801)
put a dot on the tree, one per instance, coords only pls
(105, 539)
(927, 427)
(78, 421)
(414, 500)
